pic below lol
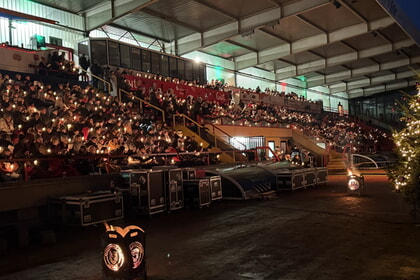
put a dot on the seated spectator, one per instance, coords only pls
(6, 123)
(9, 170)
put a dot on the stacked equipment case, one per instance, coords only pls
(189, 173)
(174, 192)
(88, 209)
(197, 193)
(147, 191)
(216, 187)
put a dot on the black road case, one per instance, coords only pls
(197, 193)
(216, 187)
(89, 209)
(321, 175)
(174, 191)
(189, 173)
(147, 191)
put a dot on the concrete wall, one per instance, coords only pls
(29, 194)
(271, 134)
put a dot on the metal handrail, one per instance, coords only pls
(188, 118)
(143, 101)
(23, 162)
(365, 157)
(184, 117)
(267, 148)
(97, 77)
(314, 139)
(227, 135)
(200, 126)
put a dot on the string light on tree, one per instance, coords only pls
(405, 174)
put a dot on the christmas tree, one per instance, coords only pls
(405, 174)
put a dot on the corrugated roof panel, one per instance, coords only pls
(226, 50)
(153, 26)
(258, 40)
(240, 8)
(293, 29)
(74, 6)
(191, 13)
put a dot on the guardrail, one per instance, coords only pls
(108, 84)
(142, 101)
(225, 136)
(370, 162)
(66, 165)
(216, 132)
(224, 120)
(55, 166)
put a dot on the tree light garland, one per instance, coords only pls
(405, 174)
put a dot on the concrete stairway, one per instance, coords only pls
(336, 163)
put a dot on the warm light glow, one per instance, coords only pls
(353, 184)
(113, 257)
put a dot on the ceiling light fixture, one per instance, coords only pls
(247, 33)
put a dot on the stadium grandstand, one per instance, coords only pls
(284, 91)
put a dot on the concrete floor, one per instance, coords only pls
(318, 233)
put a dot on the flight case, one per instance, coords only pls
(174, 191)
(189, 173)
(216, 187)
(197, 192)
(90, 208)
(147, 191)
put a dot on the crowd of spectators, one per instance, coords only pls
(56, 64)
(335, 129)
(75, 129)
(71, 128)
(341, 133)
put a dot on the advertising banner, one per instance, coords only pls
(179, 89)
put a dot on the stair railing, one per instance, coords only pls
(142, 101)
(223, 134)
(108, 84)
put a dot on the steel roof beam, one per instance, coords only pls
(345, 4)
(107, 12)
(242, 46)
(313, 25)
(217, 10)
(170, 19)
(312, 42)
(367, 83)
(345, 75)
(137, 32)
(380, 88)
(320, 64)
(230, 29)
